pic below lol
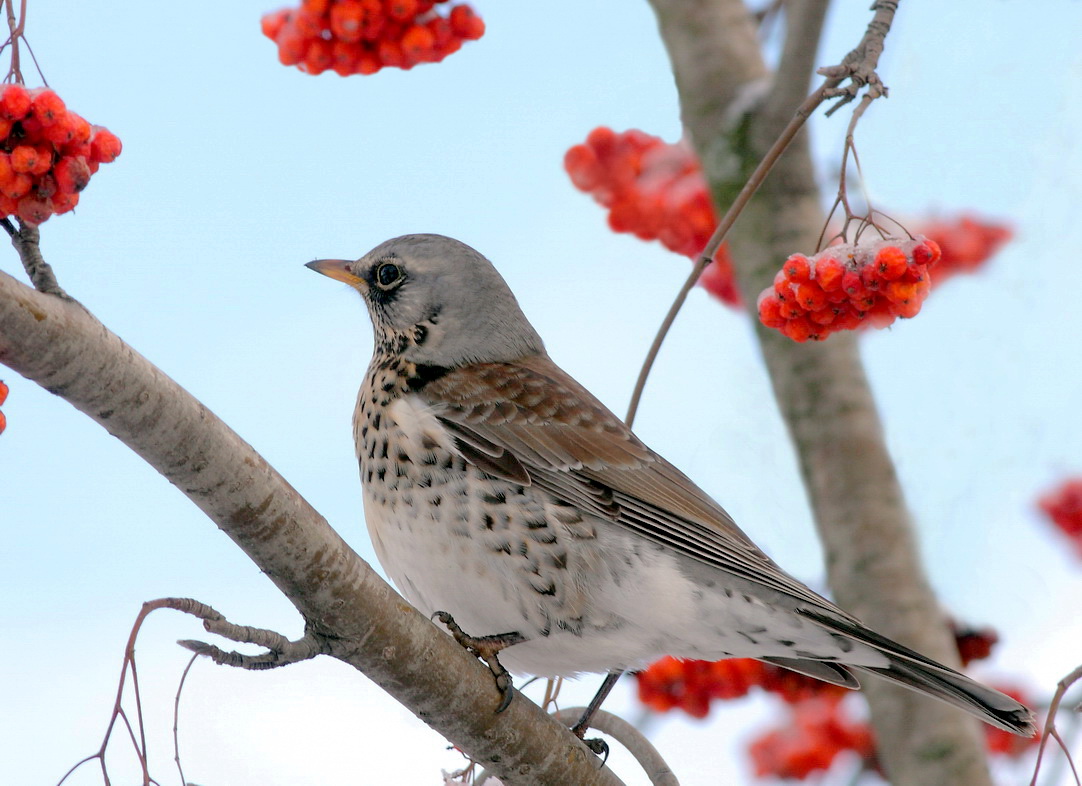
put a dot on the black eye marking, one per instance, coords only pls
(388, 275)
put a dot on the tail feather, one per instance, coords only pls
(913, 670)
(824, 670)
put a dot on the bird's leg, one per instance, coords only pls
(598, 746)
(487, 648)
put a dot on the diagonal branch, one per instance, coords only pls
(61, 346)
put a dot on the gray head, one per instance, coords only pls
(437, 301)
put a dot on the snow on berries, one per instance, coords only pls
(47, 153)
(1063, 506)
(365, 36)
(655, 191)
(849, 286)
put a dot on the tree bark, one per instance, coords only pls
(57, 343)
(873, 564)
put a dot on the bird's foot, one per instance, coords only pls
(487, 648)
(596, 744)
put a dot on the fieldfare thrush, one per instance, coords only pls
(502, 496)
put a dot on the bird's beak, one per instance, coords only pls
(337, 269)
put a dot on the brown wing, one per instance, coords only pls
(530, 422)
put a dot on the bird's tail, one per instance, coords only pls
(915, 671)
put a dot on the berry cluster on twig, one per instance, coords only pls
(849, 286)
(655, 191)
(366, 36)
(47, 153)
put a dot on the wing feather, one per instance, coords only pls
(532, 416)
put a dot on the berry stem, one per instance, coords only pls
(16, 27)
(858, 67)
(811, 103)
(26, 241)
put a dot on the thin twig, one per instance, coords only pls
(176, 718)
(15, 29)
(281, 651)
(858, 67)
(1050, 723)
(636, 743)
(810, 104)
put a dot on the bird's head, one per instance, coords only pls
(436, 301)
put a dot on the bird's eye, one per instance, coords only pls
(388, 274)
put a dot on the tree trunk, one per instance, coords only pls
(873, 565)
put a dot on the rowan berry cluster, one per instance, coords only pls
(691, 685)
(1063, 505)
(655, 191)
(365, 36)
(816, 731)
(967, 242)
(847, 287)
(47, 153)
(3, 398)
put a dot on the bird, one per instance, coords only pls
(506, 501)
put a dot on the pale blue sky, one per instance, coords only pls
(236, 171)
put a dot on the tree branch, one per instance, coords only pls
(61, 346)
(872, 559)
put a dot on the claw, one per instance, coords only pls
(487, 648)
(599, 747)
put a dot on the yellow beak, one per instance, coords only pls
(337, 269)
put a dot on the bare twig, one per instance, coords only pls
(636, 743)
(15, 28)
(118, 709)
(1050, 724)
(176, 718)
(858, 67)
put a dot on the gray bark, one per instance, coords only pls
(873, 564)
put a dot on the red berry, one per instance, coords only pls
(797, 268)
(417, 42)
(3, 422)
(17, 186)
(271, 24)
(62, 202)
(104, 145)
(936, 253)
(24, 158)
(33, 210)
(890, 263)
(47, 107)
(800, 329)
(770, 311)
(810, 297)
(402, 10)
(829, 273)
(14, 102)
(4, 389)
(347, 20)
(466, 23)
